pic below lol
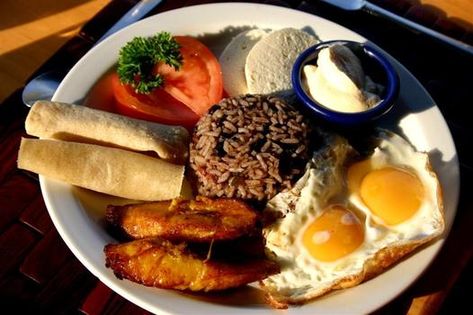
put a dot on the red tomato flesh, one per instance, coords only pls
(157, 106)
(198, 83)
(187, 93)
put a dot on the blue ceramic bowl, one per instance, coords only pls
(374, 64)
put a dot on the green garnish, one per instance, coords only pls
(138, 58)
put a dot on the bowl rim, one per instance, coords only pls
(392, 86)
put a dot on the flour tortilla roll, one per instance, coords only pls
(63, 121)
(108, 170)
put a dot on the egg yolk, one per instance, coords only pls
(391, 193)
(334, 234)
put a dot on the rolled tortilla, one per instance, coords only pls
(108, 170)
(54, 120)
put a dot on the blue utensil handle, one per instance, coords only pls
(137, 12)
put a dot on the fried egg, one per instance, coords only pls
(348, 219)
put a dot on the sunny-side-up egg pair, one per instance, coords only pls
(348, 219)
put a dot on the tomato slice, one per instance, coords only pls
(187, 94)
(157, 106)
(198, 83)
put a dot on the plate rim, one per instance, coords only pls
(120, 289)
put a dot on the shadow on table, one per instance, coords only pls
(456, 24)
(39, 51)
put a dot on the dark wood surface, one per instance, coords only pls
(38, 273)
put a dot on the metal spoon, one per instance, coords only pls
(45, 85)
(374, 9)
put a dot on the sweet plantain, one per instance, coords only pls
(200, 220)
(160, 263)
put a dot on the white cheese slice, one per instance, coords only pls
(269, 64)
(233, 59)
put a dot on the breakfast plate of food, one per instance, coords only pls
(198, 178)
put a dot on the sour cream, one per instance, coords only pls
(338, 81)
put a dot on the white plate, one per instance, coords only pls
(77, 213)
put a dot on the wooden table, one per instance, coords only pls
(37, 270)
(31, 31)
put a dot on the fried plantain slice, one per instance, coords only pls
(160, 263)
(200, 220)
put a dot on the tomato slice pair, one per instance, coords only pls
(157, 106)
(187, 94)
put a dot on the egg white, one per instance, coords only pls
(302, 276)
(394, 150)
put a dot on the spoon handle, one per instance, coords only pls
(377, 10)
(137, 12)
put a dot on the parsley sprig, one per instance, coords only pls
(138, 58)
